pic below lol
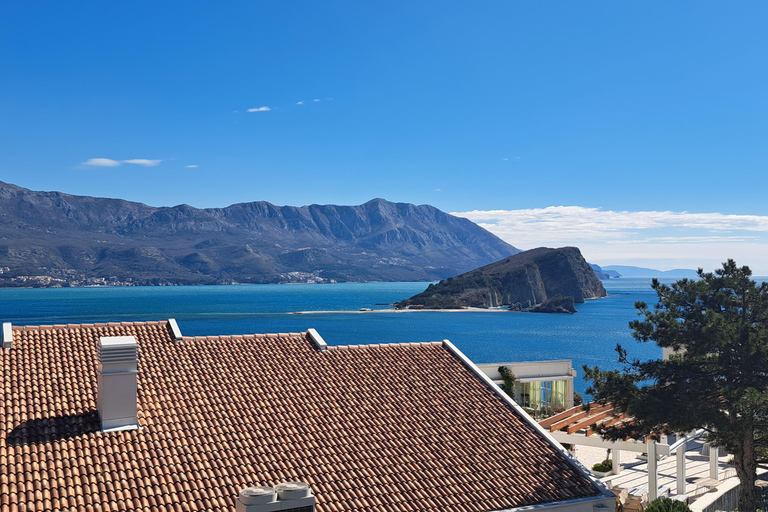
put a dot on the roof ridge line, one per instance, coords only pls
(220, 337)
(381, 345)
(86, 325)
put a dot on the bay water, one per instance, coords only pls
(587, 337)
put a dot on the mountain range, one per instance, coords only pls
(57, 239)
(630, 271)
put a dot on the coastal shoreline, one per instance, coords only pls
(464, 310)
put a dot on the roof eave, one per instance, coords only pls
(610, 501)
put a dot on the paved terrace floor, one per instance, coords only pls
(634, 475)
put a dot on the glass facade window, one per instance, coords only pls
(543, 397)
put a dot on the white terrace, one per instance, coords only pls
(684, 468)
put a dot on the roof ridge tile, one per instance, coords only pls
(407, 344)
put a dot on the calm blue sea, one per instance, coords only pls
(587, 337)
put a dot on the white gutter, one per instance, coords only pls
(561, 504)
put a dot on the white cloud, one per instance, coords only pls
(315, 100)
(108, 162)
(193, 166)
(101, 162)
(143, 161)
(299, 102)
(670, 239)
(259, 109)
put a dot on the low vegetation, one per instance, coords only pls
(667, 505)
(603, 466)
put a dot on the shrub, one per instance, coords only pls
(604, 466)
(667, 505)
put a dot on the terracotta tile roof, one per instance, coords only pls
(385, 427)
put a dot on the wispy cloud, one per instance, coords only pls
(193, 166)
(259, 109)
(677, 238)
(101, 162)
(108, 162)
(315, 100)
(299, 102)
(142, 161)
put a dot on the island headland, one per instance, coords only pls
(537, 280)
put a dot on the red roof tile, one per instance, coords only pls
(384, 427)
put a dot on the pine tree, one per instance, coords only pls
(717, 378)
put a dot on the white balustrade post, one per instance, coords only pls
(653, 475)
(681, 468)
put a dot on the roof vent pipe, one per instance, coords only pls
(118, 383)
(287, 497)
(7, 335)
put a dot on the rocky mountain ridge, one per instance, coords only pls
(54, 239)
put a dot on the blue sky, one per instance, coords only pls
(636, 131)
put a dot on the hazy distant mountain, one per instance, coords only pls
(50, 238)
(604, 274)
(630, 271)
(525, 279)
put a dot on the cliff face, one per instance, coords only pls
(527, 278)
(76, 239)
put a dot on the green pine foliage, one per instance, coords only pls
(509, 381)
(667, 505)
(717, 379)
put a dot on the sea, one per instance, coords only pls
(339, 313)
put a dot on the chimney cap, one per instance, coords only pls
(117, 341)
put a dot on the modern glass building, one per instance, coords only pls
(543, 387)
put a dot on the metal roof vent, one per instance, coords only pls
(287, 497)
(117, 383)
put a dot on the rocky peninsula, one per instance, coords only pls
(522, 282)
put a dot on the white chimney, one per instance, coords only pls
(7, 335)
(287, 497)
(117, 380)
